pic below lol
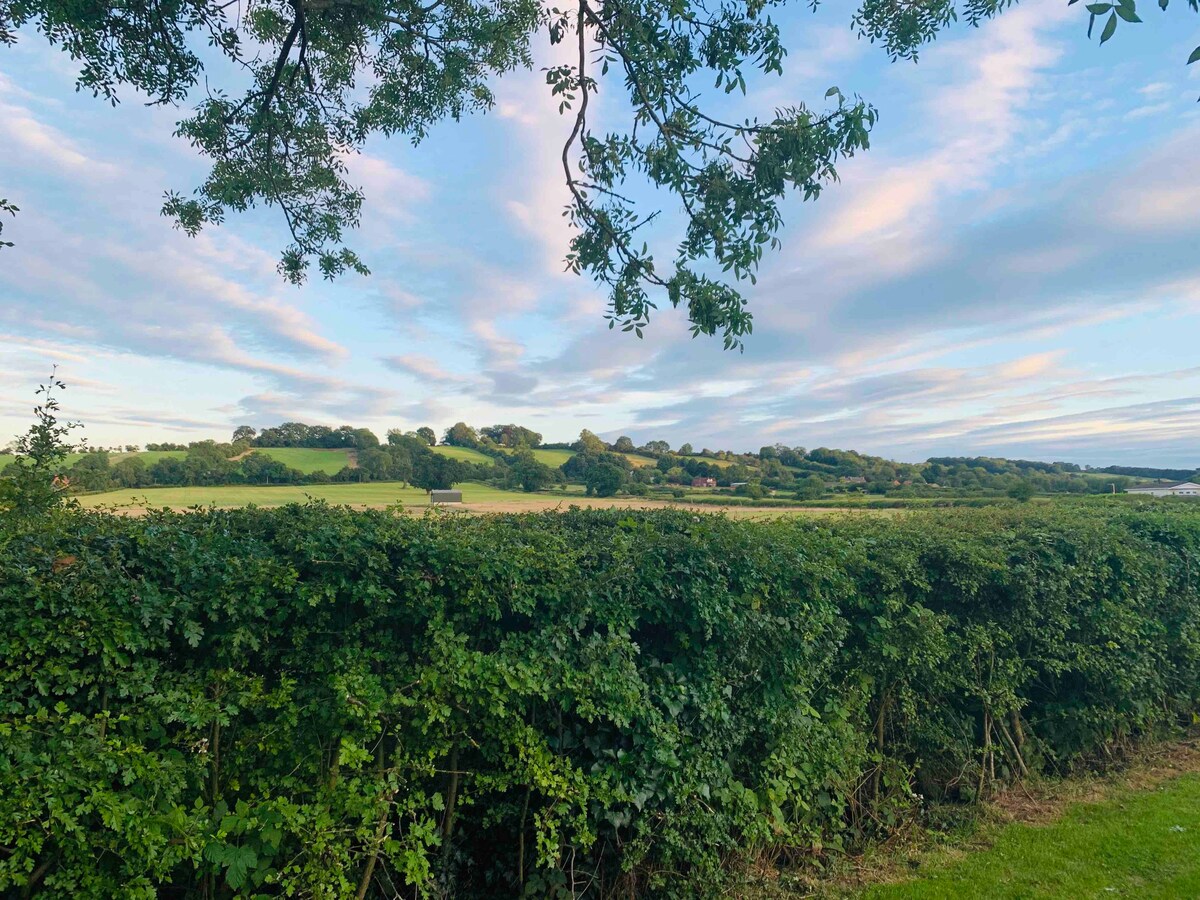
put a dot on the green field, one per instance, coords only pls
(374, 494)
(638, 461)
(553, 458)
(464, 454)
(370, 494)
(309, 460)
(480, 497)
(1144, 845)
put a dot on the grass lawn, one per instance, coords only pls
(476, 498)
(1143, 845)
(464, 454)
(309, 460)
(553, 458)
(381, 494)
(638, 461)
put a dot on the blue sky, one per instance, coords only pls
(1012, 269)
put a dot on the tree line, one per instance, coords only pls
(603, 468)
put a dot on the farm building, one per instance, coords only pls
(704, 482)
(1179, 489)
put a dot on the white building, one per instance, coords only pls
(1180, 489)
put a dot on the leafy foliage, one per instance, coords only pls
(31, 483)
(314, 702)
(286, 90)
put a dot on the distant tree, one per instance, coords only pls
(395, 436)
(1023, 491)
(460, 434)
(768, 453)
(810, 488)
(168, 471)
(657, 447)
(434, 472)
(686, 450)
(31, 484)
(206, 465)
(529, 473)
(260, 468)
(427, 434)
(589, 443)
(91, 473)
(604, 480)
(244, 433)
(364, 439)
(623, 444)
(131, 473)
(512, 436)
(752, 489)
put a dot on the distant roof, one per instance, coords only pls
(1159, 486)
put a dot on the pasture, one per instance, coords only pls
(149, 457)
(309, 460)
(552, 458)
(477, 498)
(462, 454)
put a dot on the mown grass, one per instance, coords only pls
(1143, 845)
(464, 454)
(309, 460)
(380, 494)
(369, 494)
(553, 458)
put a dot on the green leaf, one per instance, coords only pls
(1127, 14)
(1194, 57)
(1110, 28)
(832, 91)
(1098, 9)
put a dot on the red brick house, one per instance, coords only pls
(704, 482)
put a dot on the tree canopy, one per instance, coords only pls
(314, 79)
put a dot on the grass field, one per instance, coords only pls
(638, 461)
(309, 460)
(464, 454)
(553, 458)
(1136, 844)
(476, 498)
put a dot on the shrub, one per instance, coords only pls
(312, 701)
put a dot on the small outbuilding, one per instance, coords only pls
(445, 496)
(704, 482)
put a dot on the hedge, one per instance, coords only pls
(309, 701)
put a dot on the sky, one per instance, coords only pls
(1012, 269)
